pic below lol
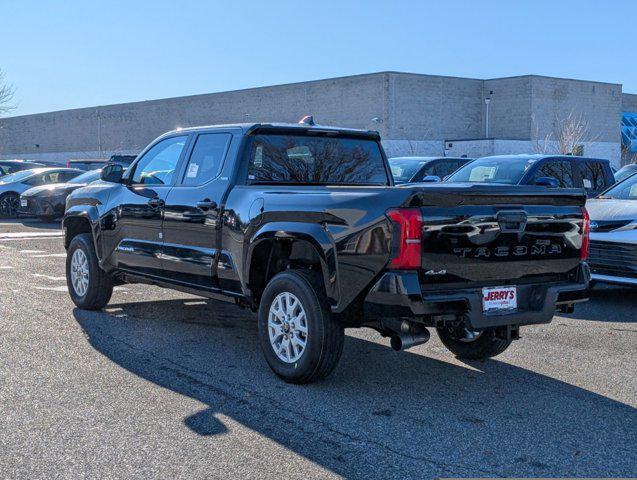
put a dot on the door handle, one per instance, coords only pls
(156, 202)
(207, 204)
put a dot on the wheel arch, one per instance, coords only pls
(77, 221)
(277, 247)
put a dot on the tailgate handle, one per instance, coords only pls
(512, 221)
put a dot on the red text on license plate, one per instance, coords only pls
(499, 298)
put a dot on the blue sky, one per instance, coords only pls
(72, 54)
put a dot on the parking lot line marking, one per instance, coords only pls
(48, 255)
(62, 288)
(32, 251)
(7, 235)
(28, 238)
(48, 277)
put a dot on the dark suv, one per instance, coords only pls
(560, 171)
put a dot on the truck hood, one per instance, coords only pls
(52, 189)
(611, 209)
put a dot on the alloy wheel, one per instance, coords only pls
(79, 272)
(287, 327)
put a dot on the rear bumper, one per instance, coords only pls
(399, 294)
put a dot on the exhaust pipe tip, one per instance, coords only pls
(410, 335)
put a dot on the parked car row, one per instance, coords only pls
(14, 184)
(33, 189)
(555, 171)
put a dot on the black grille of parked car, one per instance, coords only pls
(615, 259)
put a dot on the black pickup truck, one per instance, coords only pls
(303, 224)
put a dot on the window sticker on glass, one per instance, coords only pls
(193, 168)
(587, 183)
(482, 173)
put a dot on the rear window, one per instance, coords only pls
(593, 175)
(560, 170)
(626, 190)
(315, 160)
(508, 170)
(404, 170)
(625, 172)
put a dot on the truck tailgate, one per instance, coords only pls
(501, 235)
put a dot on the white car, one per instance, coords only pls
(613, 247)
(11, 186)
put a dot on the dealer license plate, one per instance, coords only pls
(499, 299)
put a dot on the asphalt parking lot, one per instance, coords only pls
(164, 384)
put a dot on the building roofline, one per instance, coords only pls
(532, 75)
(315, 81)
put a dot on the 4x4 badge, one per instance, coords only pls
(436, 272)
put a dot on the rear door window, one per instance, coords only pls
(560, 170)
(592, 175)
(206, 158)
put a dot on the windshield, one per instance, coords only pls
(16, 177)
(508, 170)
(315, 160)
(625, 172)
(404, 170)
(87, 177)
(626, 190)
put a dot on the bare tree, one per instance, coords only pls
(567, 136)
(541, 144)
(6, 95)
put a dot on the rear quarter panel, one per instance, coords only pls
(347, 224)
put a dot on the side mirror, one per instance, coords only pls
(112, 172)
(549, 182)
(431, 178)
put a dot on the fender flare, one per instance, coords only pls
(89, 214)
(314, 234)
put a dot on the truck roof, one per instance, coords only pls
(249, 128)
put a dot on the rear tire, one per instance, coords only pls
(90, 287)
(486, 345)
(300, 348)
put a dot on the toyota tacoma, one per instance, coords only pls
(303, 224)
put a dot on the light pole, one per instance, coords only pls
(487, 101)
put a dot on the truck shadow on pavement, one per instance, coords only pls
(381, 414)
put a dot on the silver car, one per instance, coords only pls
(613, 247)
(11, 186)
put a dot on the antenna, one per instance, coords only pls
(307, 120)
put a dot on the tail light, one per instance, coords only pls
(406, 238)
(586, 230)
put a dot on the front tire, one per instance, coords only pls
(9, 205)
(90, 287)
(301, 340)
(485, 345)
